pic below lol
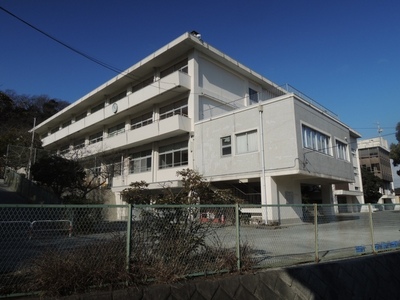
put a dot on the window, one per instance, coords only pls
(95, 138)
(176, 108)
(315, 140)
(79, 144)
(64, 149)
(67, 123)
(173, 155)
(115, 168)
(226, 145)
(341, 150)
(142, 120)
(97, 107)
(117, 97)
(142, 84)
(117, 129)
(246, 142)
(253, 96)
(54, 130)
(80, 116)
(180, 66)
(140, 162)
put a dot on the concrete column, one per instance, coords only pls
(270, 196)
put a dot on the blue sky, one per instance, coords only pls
(343, 54)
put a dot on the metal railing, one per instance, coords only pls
(114, 244)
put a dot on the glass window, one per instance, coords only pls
(341, 149)
(140, 162)
(143, 84)
(180, 66)
(79, 144)
(176, 108)
(315, 140)
(247, 142)
(142, 120)
(117, 97)
(173, 155)
(117, 129)
(253, 96)
(226, 145)
(67, 123)
(80, 116)
(97, 107)
(95, 138)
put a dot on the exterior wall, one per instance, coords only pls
(224, 98)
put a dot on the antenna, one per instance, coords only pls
(380, 130)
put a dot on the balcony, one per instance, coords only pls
(157, 92)
(156, 131)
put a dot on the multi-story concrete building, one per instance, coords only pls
(188, 105)
(374, 157)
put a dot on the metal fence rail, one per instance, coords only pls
(113, 244)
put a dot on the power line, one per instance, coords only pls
(87, 56)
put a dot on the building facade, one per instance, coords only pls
(188, 105)
(374, 157)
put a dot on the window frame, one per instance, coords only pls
(143, 158)
(174, 155)
(116, 130)
(250, 141)
(226, 145)
(341, 151)
(315, 140)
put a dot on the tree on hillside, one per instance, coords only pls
(395, 149)
(59, 174)
(17, 119)
(371, 186)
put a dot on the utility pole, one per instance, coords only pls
(31, 149)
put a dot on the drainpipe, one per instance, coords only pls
(264, 210)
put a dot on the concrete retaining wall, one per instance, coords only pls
(366, 277)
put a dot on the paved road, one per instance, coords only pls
(8, 196)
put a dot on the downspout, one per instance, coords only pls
(264, 210)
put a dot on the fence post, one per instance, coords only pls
(371, 228)
(128, 237)
(316, 231)
(237, 217)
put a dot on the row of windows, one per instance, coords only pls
(177, 108)
(182, 66)
(174, 155)
(320, 142)
(248, 142)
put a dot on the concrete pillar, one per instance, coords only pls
(269, 195)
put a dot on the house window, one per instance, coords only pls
(97, 107)
(176, 108)
(246, 142)
(140, 162)
(253, 96)
(54, 130)
(117, 129)
(95, 138)
(226, 145)
(142, 120)
(173, 155)
(341, 150)
(315, 140)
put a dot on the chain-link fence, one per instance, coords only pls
(70, 249)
